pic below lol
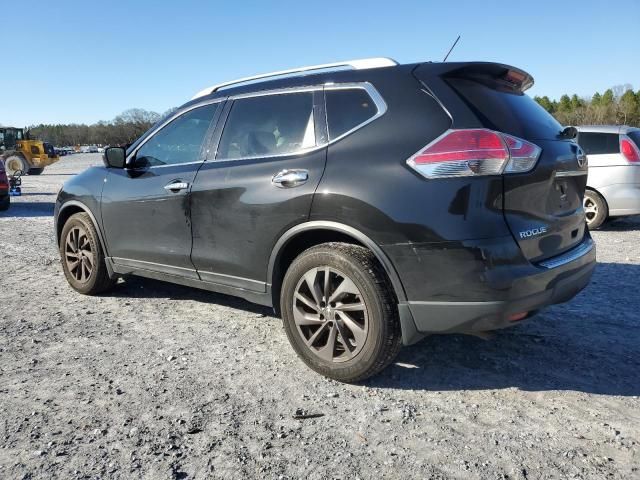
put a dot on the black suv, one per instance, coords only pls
(369, 203)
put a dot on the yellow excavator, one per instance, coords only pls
(19, 152)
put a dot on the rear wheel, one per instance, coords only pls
(82, 256)
(36, 171)
(339, 312)
(14, 163)
(5, 203)
(595, 209)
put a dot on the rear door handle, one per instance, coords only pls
(176, 186)
(290, 178)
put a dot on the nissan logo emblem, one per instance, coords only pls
(581, 159)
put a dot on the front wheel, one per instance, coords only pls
(595, 209)
(16, 163)
(339, 312)
(36, 171)
(82, 257)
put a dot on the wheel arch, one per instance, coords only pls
(71, 208)
(305, 235)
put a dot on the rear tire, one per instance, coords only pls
(5, 203)
(36, 171)
(595, 209)
(16, 162)
(82, 257)
(346, 328)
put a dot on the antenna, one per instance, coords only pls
(451, 49)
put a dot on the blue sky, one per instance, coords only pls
(84, 61)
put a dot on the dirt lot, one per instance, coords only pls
(159, 381)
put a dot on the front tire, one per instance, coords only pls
(14, 163)
(82, 257)
(36, 171)
(340, 313)
(595, 209)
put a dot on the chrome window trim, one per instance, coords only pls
(567, 257)
(164, 124)
(379, 102)
(377, 99)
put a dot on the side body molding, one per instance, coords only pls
(342, 228)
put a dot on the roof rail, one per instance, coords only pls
(360, 64)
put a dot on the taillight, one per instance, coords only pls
(4, 181)
(629, 150)
(474, 152)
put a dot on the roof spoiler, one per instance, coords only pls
(494, 75)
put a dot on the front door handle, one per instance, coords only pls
(290, 178)
(176, 186)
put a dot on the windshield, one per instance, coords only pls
(9, 137)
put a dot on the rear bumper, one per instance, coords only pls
(531, 288)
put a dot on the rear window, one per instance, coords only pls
(513, 113)
(347, 109)
(635, 136)
(599, 143)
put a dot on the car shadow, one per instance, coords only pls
(590, 345)
(621, 224)
(24, 209)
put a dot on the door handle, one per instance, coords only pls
(176, 186)
(290, 178)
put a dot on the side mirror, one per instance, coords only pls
(115, 157)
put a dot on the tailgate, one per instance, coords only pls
(542, 207)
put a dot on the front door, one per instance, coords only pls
(269, 161)
(145, 207)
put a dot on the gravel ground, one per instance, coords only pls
(160, 381)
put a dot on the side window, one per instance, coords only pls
(268, 125)
(348, 108)
(599, 143)
(179, 141)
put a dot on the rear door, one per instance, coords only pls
(270, 158)
(543, 207)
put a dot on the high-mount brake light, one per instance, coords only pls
(474, 152)
(629, 150)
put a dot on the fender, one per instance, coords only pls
(84, 208)
(350, 231)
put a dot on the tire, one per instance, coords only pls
(88, 278)
(595, 209)
(367, 339)
(5, 203)
(36, 171)
(15, 162)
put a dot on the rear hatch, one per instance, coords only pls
(542, 207)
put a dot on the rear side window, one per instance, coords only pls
(599, 143)
(269, 125)
(347, 109)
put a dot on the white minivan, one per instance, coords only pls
(613, 184)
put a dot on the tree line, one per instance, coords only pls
(123, 129)
(619, 105)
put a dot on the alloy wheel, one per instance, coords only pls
(330, 314)
(590, 209)
(78, 254)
